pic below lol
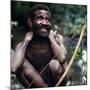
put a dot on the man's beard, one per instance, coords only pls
(41, 30)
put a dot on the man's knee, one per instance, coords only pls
(55, 65)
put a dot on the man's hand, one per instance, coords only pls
(52, 35)
(28, 36)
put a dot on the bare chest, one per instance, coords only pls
(39, 55)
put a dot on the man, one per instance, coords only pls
(40, 47)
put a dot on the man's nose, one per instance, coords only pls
(44, 21)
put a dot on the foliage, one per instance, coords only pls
(79, 70)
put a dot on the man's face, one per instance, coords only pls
(41, 23)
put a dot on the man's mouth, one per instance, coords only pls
(45, 28)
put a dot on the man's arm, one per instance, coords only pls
(18, 57)
(59, 50)
(57, 46)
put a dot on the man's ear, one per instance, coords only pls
(29, 22)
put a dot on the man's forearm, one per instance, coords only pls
(57, 50)
(18, 57)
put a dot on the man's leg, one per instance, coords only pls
(32, 74)
(56, 70)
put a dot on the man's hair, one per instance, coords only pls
(38, 7)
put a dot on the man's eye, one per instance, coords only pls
(39, 18)
(47, 19)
